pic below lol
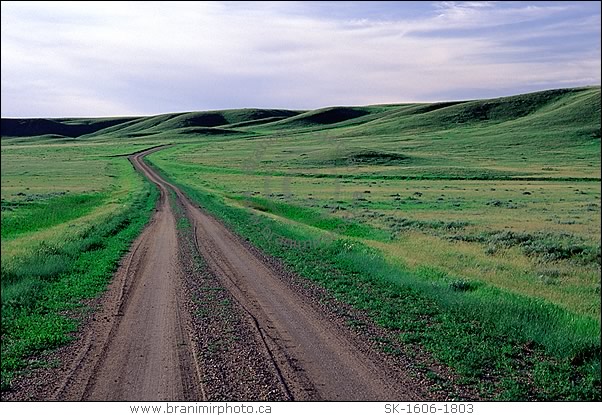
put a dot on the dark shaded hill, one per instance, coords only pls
(26, 127)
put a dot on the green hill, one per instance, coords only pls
(577, 106)
(564, 115)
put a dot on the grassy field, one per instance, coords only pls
(69, 212)
(470, 230)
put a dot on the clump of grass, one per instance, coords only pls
(462, 285)
(415, 224)
(491, 249)
(502, 203)
(549, 276)
(509, 238)
(548, 246)
(553, 248)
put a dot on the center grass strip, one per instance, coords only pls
(39, 291)
(512, 347)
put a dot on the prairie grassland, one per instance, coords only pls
(452, 226)
(68, 214)
(469, 230)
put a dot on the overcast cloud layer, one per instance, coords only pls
(96, 59)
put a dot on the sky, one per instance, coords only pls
(78, 59)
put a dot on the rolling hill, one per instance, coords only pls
(576, 110)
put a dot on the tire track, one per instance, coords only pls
(260, 333)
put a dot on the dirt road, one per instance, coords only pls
(137, 347)
(316, 359)
(140, 345)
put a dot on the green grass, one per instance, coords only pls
(38, 289)
(33, 215)
(560, 215)
(314, 217)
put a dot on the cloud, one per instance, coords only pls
(84, 59)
